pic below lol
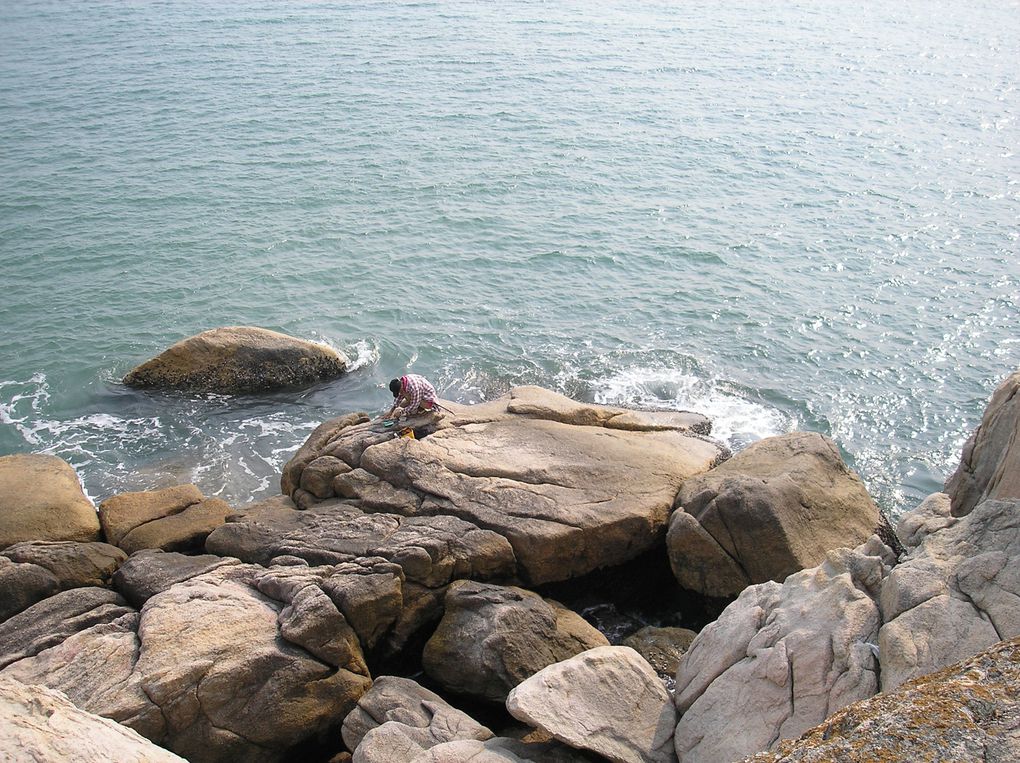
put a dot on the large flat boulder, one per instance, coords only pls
(990, 462)
(607, 700)
(120, 514)
(968, 712)
(956, 593)
(572, 487)
(41, 499)
(493, 637)
(41, 724)
(771, 510)
(782, 657)
(239, 359)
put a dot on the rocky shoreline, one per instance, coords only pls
(396, 583)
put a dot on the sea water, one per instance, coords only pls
(787, 216)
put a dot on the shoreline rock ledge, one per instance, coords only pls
(238, 360)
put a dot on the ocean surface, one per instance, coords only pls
(787, 216)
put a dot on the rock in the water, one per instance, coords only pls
(74, 565)
(990, 463)
(493, 637)
(573, 487)
(772, 510)
(782, 657)
(41, 499)
(239, 359)
(607, 700)
(966, 713)
(954, 595)
(397, 719)
(42, 725)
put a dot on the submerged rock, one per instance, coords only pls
(990, 462)
(771, 510)
(41, 499)
(239, 359)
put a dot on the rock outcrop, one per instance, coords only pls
(397, 720)
(782, 657)
(73, 565)
(493, 637)
(573, 487)
(41, 499)
(953, 595)
(238, 662)
(990, 463)
(607, 700)
(773, 509)
(236, 360)
(41, 724)
(966, 713)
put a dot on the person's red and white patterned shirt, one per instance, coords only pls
(415, 390)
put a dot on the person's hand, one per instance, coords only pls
(397, 413)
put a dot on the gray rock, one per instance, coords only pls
(51, 621)
(607, 700)
(42, 725)
(931, 515)
(990, 463)
(41, 499)
(493, 637)
(501, 750)
(955, 594)
(238, 663)
(74, 565)
(239, 359)
(782, 657)
(573, 487)
(152, 571)
(397, 719)
(662, 648)
(966, 713)
(22, 585)
(773, 509)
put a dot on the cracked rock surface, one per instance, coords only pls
(956, 593)
(782, 657)
(967, 713)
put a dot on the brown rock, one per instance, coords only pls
(773, 509)
(74, 565)
(122, 513)
(41, 499)
(239, 359)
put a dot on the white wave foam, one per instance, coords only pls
(736, 420)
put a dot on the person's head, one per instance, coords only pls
(395, 387)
